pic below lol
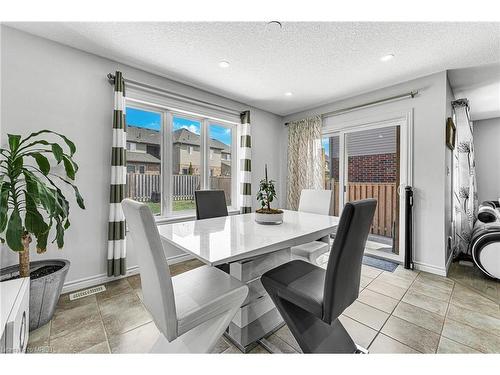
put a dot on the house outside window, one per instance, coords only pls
(173, 154)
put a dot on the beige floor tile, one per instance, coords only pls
(447, 346)
(123, 313)
(425, 302)
(387, 289)
(391, 278)
(221, 345)
(377, 300)
(474, 319)
(364, 281)
(134, 281)
(285, 334)
(420, 317)
(38, 341)
(78, 340)
(138, 340)
(435, 279)
(177, 269)
(400, 271)
(64, 302)
(114, 289)
(281, 345)
(367, 315)
(431, 289)
(361, 334)
(471, 300)
(412, 335)
(385, 345)
(258, 350)
(472, 337)
(370, 271)
(74, 320)
(101, 348)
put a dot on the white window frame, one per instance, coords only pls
(166, 150)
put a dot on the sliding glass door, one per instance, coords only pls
(371, 161)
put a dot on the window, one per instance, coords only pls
(221, 143)
(172, 154)
(143, 155)
(330, 151)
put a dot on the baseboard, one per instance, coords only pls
(441, 271)
(91, 281)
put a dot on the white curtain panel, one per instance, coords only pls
(305, 168)
(465, 190)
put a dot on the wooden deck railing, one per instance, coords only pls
(147, 187)
(385, 193)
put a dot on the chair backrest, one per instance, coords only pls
(155, 275)
(343, 271)
(315, 201)
(210, 203)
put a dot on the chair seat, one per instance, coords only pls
(314, 248)
(203, 293)
(300, 283)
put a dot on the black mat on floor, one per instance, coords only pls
(381, 264)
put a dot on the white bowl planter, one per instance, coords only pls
(269, 218)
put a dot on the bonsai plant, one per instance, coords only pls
(32, 204)
(266, 194)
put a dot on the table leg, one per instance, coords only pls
(257, 317)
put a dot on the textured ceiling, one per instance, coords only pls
(317, 62)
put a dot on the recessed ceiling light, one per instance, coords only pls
(288, 93)
(274, 26)
(387, 57)
(224, 64)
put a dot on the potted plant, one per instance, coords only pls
(31, 205)
(266, 194)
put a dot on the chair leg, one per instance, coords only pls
(312, 334)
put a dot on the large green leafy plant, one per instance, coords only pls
(31, 201)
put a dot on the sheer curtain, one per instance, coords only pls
(305, 169)
(465, 190)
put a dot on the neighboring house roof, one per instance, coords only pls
(368, 142)
(149, 136)
(141, 157)
(188, 137)
(142, 135)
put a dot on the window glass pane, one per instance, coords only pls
(186, 163)
(144, 157)
(219, 162)
(330, 147)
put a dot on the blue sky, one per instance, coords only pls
(324, 144)
(152, 120)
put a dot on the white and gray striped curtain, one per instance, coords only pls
(305, 166)
(116, 225)
(245, 163)
(465, 191)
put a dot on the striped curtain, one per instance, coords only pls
(116, 225)
(245, 163)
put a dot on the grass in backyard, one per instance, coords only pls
(176, 206)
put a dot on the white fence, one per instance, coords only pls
(147, 187)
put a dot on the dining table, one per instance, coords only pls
(249, 249)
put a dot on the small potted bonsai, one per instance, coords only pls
(266, 194)
(31, 204)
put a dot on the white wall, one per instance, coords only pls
(48, 85)
(428, 152)
(487, 154)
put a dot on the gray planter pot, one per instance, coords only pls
(44, 291)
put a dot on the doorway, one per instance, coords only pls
(372, 161)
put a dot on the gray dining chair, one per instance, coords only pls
(210, 204)
(311, 299)
(316, 202)
(190, 310)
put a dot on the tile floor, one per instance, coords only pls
(400, 312)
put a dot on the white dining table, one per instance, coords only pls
(250, 249)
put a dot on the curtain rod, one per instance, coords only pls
(173, 95)
(410, 94)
